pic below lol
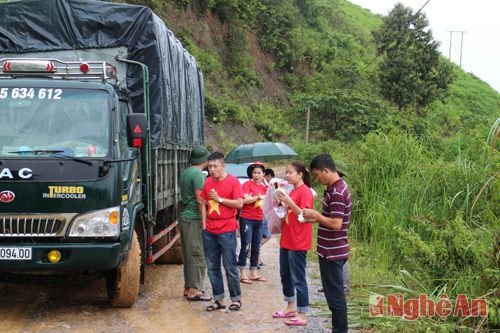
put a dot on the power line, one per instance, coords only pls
(418, 11)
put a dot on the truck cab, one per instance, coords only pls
(69, 181)
(100, 107)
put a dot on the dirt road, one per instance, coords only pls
(161, 306)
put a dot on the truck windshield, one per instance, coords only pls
(38, 122)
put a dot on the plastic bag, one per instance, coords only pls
(274, 211)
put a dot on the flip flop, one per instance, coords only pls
(296, 322)
(281, 314)
(215, 306)
(200, 298)
(201, 291)
(245, 280)
(260, 279)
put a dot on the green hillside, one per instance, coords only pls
(424, 177)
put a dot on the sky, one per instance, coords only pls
(480, 21)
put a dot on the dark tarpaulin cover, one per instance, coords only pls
(176, 84)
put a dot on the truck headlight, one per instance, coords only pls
(101, 223)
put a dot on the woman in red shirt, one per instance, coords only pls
(296, 240)
(251, 217)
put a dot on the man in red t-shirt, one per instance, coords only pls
(223, 197)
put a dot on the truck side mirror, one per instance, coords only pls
(136, 130)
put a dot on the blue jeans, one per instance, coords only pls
(217, 247)
(251, 235)
(333, 287)
(265, 230)
(293, 278)
(346, 274)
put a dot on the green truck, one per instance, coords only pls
(100, 106)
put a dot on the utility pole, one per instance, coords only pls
(308, 117)
(461, 47)
(451, 36)
(461, 44)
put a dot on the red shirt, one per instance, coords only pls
(253, 210)
(221, 218)
(295, 235)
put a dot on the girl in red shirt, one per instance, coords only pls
(296, 240)
(251, 217)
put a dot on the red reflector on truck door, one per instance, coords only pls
(84, 68)
(6, 66)
(137, 142)
(137, 129)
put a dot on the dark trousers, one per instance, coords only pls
(293, 278)
(333, 287)
(221, 248)
(251, 235)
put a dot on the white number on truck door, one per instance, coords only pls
(22, 93)
(31, 93)
(49, 93)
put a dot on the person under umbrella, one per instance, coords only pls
(266, 235)
(251, 217)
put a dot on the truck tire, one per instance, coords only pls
(172, 256)
(123, 285)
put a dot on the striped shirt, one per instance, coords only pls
(337, 203)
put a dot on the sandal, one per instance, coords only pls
(246, 280)
(283, 314)
(235, 306)
(200, 297)
(216, 306)
(260, 278)
(296, 322)
(185, 292)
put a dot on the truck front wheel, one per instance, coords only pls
(123, 284)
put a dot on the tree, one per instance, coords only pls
(343, 114)
(411, 71)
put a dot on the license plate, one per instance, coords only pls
(15, 253)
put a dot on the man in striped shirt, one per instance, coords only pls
(333, 244)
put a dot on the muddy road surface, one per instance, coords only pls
(161, 307)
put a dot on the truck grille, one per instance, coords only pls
(36, 226)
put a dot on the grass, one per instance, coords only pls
(371, 276)
(425, 187)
